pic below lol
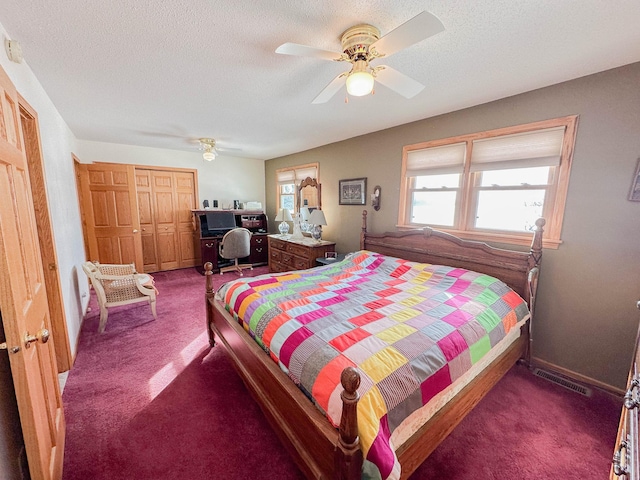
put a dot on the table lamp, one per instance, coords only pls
(317, 219)
(304, 219)
(284, 216)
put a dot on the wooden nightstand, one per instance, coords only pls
(329, 261)
(286, 254)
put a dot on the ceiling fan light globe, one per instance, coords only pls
(360, 84)
(209, 156)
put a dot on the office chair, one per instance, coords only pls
(236, 244)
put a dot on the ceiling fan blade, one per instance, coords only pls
(306, 51)
(420, 27)
(398, 82)
(330, 90)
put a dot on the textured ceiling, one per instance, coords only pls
(163, 73)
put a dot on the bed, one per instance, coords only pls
(320, 428)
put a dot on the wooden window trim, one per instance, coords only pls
(557, 193)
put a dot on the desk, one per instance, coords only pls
(207, 244)
(286, 254)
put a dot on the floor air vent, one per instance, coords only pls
(563, 382)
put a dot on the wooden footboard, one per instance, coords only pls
(319, 449)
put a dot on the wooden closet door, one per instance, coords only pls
(108, 195)
(186, 200)
(146, 212)
(166, 219)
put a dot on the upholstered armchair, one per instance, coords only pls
(119, 285)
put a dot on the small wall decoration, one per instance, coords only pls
(634, 193)
(353, 191)
(375, 198)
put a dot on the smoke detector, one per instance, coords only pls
(14, 50)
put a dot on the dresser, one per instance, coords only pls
(626, 456)
(286, 254)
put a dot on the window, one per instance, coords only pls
(491, 185)
(287, 181)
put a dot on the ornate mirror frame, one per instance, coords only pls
(308, 182)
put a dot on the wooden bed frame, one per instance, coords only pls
(319, 449)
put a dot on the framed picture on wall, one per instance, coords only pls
(634, 193)
(353, 191)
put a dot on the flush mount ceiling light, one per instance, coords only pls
(209, 147)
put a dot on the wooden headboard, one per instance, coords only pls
(517, 269)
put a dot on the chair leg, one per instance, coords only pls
(153, 308)
(103, 319)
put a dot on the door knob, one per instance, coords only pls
(3, 346)
(135, 230)
(42, 336)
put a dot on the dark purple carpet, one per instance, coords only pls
(149, 400)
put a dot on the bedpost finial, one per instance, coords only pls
(350, 379)
(208, 276)
(540, 223)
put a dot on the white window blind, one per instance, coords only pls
(302, 173)
(296, 175)
(436, 160)
(541, 148)
(285, 177)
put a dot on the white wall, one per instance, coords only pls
(224, 179)
(57, 144)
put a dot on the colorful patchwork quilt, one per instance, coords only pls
(411, 329)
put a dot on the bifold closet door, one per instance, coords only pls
(165, 201)
(147, 223)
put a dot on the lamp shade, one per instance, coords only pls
(284, 215)
(360, 80)
(317, 217)
(209, 156)
(304, 213)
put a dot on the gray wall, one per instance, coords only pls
(586, 319)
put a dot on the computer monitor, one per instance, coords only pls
(217, 221)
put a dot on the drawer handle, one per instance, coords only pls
(258, 240)
(631, 400)
(259, 250)
(209, 245)
(619, 469)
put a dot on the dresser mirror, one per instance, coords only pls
(308, 199)
(309, 194)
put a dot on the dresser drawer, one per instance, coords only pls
(300, 263)
(278, 267)
(286, 259)
(277, 244)
(258, 240)
(275, 255)
(626, 456)
(300, 250)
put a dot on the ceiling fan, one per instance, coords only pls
(211, 151)
(361, 44)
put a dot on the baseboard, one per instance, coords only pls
(538, 362)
